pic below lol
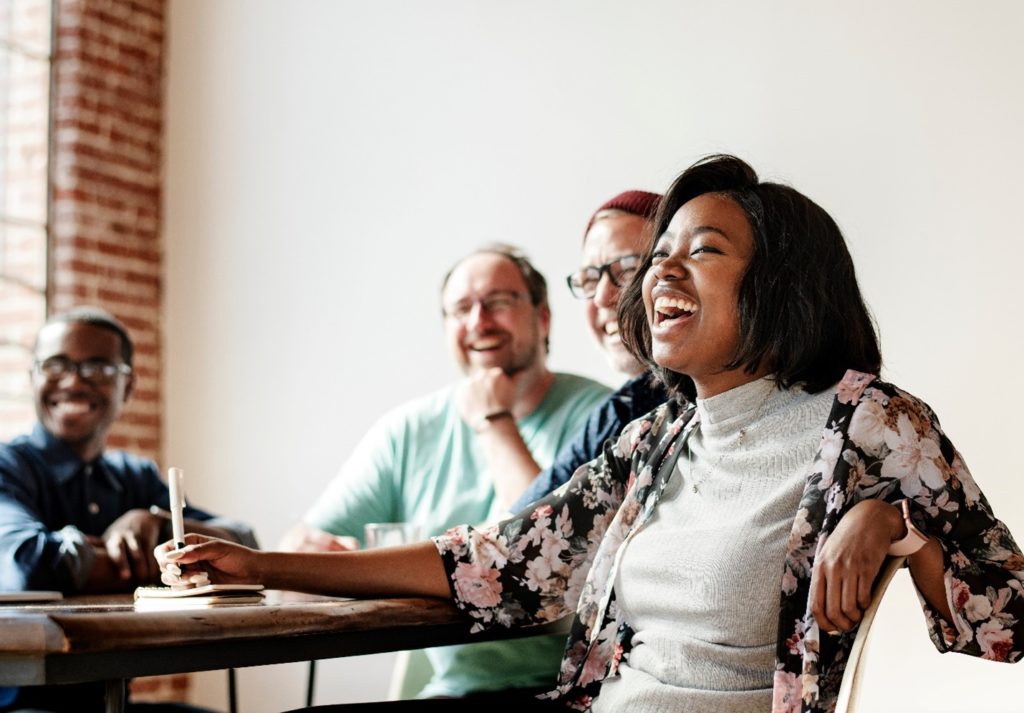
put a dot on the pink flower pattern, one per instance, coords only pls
(559, 556)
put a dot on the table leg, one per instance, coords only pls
(232, 691)
(311, 684)
(116, 694)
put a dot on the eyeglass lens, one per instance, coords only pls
(583, 284)
(56, 368)
(494, 303)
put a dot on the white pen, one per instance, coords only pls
(174, 482)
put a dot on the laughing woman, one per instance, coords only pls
(782, 464)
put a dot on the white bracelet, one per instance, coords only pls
(913, 540)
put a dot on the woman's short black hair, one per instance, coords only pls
(801, 312)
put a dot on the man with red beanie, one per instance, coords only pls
(617, 235)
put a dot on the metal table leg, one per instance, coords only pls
(115, 695)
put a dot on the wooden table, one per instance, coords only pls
(103, 638)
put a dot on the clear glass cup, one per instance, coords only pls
(388, 534)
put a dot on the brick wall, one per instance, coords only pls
(106, 247)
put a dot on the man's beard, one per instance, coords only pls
(518, 360)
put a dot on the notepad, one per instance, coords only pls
(38, 595)
(208, 595)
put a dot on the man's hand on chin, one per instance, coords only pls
(485, 393)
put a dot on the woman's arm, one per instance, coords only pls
(846, 567)
(970, 573)
(408, 570)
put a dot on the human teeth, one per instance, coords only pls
(487, 343)
(663, 304)
(611, 329)
(73, 406)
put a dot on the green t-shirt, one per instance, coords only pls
(420, 464)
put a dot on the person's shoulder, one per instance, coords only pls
(576, 383)
(18, 444)
(642, 433)
(14, 453)
(128, 464)
(26, 448)
(426, 407)
(858, 388)
(643, 393)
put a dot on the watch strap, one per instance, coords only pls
(913, 540)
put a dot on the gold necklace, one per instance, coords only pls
(694, 485)
(762, 411)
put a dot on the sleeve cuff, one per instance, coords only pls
(77, 555)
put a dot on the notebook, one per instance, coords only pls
(208, 595)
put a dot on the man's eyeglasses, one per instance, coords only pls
(583, 283)
(494, 303)
(94, 370)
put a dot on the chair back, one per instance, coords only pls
(850, 686)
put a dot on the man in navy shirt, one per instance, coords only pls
(616, 237)
(74, 517)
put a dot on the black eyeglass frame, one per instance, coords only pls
(95, 371)
(577, 289)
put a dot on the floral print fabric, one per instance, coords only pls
(561, 555)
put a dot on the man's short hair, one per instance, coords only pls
(95, 317)
(536, 285)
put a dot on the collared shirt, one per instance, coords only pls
(633, 399)
(51, 500)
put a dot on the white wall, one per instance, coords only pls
(326, 161)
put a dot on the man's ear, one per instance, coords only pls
(544, 313)
(129, 387)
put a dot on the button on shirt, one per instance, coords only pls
(50, 501)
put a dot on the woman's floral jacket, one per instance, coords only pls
(563, 553)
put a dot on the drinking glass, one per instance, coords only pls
(388, 534)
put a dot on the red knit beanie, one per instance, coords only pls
(642, 203)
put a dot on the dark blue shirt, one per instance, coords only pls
(636, 397)
(50, 500)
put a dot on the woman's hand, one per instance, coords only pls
(221, 561)
(846, 567)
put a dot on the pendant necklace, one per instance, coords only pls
(695, 483)
(740, 438)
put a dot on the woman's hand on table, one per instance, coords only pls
(204, 557)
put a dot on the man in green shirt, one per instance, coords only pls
(466, 452)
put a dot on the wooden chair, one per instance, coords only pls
(850, 686)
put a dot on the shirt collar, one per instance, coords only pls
(62, 461)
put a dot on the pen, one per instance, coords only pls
(174, 482)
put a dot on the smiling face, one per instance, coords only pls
(691, 292)
(75, 410)
(490, 320)
(613, 235)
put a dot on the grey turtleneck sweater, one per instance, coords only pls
(700, 582)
